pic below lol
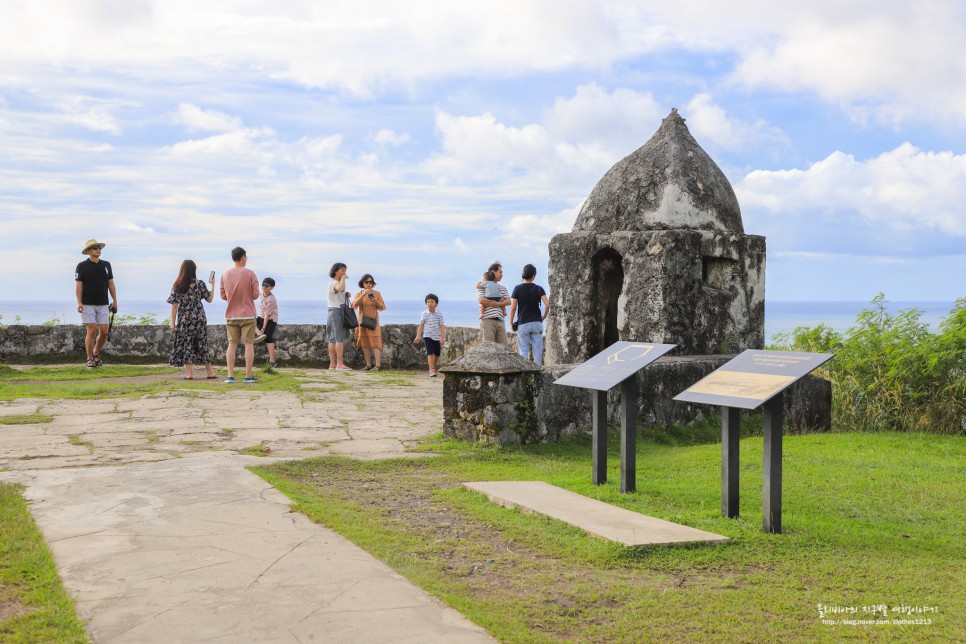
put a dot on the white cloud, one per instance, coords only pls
(576, 139)
(533, 232)
(136, 228)
(709, 123)
(905, 188)
(91, 113)
(905, 202)
(388, 137)
(883, 59)
(196, 118)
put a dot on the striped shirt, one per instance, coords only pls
(432, 325)
(494, 312)
(268, 306)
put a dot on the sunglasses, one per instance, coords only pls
(368, 282)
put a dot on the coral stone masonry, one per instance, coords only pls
(658, 254)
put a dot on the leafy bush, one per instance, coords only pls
(139, 320)
(890, 372)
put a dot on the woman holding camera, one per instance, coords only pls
(368, 334)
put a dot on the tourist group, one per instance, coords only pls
(347, 314)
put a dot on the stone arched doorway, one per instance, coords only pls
(608, 283)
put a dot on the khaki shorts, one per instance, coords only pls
(494, 331)
(241, 329)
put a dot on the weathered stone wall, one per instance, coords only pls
(296, 345)
(529, 408)
(702, 291)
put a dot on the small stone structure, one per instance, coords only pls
(658, 254)
(488, 396)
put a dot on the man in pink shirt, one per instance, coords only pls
(239, 287)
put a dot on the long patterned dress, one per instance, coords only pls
(191, 332)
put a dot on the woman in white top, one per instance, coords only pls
(335, 331)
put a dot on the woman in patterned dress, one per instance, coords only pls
(188, 322)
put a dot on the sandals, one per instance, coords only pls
(91, 364)
(97, 360)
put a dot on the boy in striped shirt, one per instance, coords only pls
(432, 331)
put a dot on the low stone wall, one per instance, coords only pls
(296, 345)
(513, 406)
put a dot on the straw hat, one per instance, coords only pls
(91, 243)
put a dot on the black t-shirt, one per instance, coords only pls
(94, 276)
(528, 298)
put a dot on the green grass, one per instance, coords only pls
(25, 419)
(869, 519)
(74, 372)
(30, 589)
(73, 382)
(262, 449)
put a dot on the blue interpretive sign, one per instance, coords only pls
(752, 378)
(614, 364)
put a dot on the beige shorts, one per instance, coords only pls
(494, 331)
(243, 330)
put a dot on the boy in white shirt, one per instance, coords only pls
(432, 331)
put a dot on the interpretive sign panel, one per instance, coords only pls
(752, 378)
(614, 364)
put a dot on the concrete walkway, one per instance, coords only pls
(161, 535)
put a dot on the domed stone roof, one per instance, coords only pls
(668, 183)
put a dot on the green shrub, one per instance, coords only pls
(890, 372)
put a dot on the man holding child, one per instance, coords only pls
(493, 322)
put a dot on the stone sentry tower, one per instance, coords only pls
(658, 254)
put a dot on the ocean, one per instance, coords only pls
(779, 316)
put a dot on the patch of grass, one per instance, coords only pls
(31, 592)
(72, 372)
(83, 383)
(869, 519)
(151, 435)
(262, 449)
(26, 419)
(394, 378)
(75, 439)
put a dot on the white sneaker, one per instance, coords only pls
(432, 374)
(259, 338)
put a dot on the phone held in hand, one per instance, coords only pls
(211, 276)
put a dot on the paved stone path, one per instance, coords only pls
(161, 535)
(379, 416)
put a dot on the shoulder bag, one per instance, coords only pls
(349, 319)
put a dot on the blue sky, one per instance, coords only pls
(419, 141)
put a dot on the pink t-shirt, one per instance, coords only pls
(240, 287)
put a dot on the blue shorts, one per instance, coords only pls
(433, 347)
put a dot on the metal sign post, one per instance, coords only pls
(753, 379)
(619, 363)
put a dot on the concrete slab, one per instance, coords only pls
(200, 549)
(596, 517)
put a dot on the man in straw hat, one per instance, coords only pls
(94, 280)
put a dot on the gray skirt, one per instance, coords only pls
(334, 330)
